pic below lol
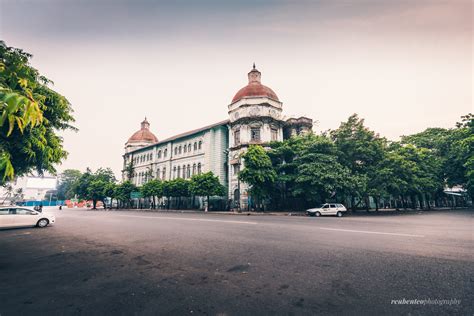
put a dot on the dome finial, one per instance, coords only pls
(253, 65)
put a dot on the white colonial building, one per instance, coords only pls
(255, 117)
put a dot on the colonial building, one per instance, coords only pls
(255, 117)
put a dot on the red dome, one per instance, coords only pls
(255, 89)
(143, 135)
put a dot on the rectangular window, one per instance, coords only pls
(237, 137)
(255, 134)
(274, 133)
(236, 168)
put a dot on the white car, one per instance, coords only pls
(327, 209)
(17, 216)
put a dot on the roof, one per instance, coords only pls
(255, 89)
(185, 134)
(143, 135)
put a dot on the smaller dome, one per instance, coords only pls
(143, 135)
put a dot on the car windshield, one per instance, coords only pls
(322, 205)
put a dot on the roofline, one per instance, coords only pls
(185, 134)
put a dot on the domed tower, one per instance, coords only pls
(255, 117)
(141, 138)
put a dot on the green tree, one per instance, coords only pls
(96, 191)
(65, 188)
(206, 184)
(361, 151)
(123, 191)
(258, 172)
(152, 189)
(110, 191)
(319, 174)
(31, 113)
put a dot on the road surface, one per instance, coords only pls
(124, 263)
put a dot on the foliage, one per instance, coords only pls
(67, 179)
(206, 184)
(123, 191)
(30, 115)
(353, 162)
(258, 172)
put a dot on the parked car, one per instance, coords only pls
(15, 216)
(327, 209)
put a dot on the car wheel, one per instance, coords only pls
(317, 214)
(339, 214)
(42, 223)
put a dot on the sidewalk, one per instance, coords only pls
(381, 212)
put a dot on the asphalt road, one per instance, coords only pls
(138, 263)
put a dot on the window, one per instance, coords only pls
(158, 173)
(163, 176)
(236, 168)
(237, 137)
(189, 171)
(255, 134)
(185, 148)
(195, 146)
(274, 134)
(174, 173)
(176, 150)
(151, 156)
(165, 153)
(189, 147)
(199, 168)
(159, 154)
(194, 168)
(184, 171)
(22, 211)
(4, 211)
(200, 145)
(179, 171)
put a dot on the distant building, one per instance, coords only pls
(255, 117)
(32, 188)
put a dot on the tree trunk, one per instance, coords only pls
(94, 203)
(376, 204)
(353, 203)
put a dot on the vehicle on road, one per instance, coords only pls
(327, 209)
(15, 216)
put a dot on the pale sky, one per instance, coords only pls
(402, 65)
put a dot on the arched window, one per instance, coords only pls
(200, 145)
(179, 171)
(189, 171)
(159, 154)
(165, 153)
(176, 150)
(185, 148)
(189, 147)
(199, 168)
(195, 146)
(184, 171)
(151, 156)
(180, 150)
(174, 172)
(158, 173)
(163, 176)
(194, 169)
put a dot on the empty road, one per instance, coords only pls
(142, 263)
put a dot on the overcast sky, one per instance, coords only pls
(402, 65)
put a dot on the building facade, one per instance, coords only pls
(255, 117)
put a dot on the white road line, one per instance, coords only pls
(192, 219)
(23, 234)
(370, 232)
